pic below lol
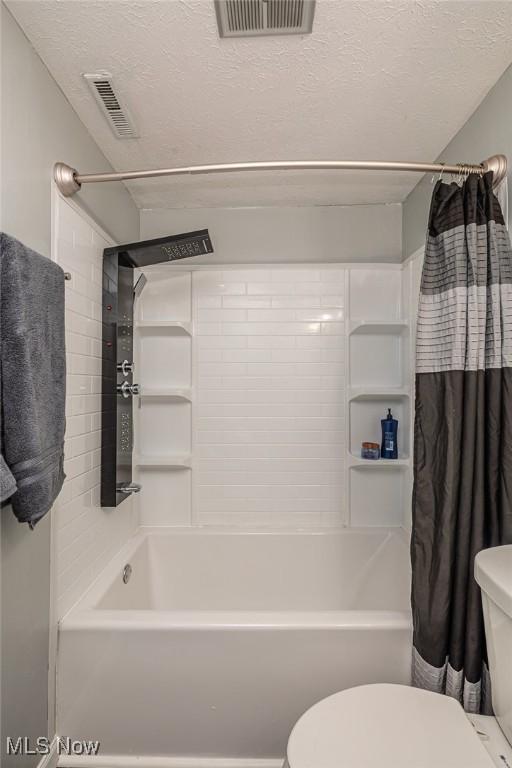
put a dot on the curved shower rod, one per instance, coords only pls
(69, 180)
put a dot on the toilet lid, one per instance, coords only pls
(386, 726)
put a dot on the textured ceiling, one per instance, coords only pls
(376, 80)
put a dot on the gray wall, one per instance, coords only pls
(39, 127)
(487, 132)
(362, 233)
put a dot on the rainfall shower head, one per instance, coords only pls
(163, 249)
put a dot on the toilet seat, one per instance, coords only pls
(386, 726)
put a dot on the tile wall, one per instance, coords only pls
(269, 419)
(85, 535)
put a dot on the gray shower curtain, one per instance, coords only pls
(462, 499)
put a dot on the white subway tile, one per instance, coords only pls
(208, 329)
(210, 356)
(269, 429)
(221, 396)
(246, 355)
(246, 275)
(333, 329)
(230, 315)
(325, 314)
(79, 385)
(209, 302)
(295, 275)
(222, 369)
(221, 342)
(225, 288)
(245, 302)
(269, 329)
(320, 342)
(271, 315)
(264, 289)
(272, 342)
(297, 302)
(333, 275)
(87, 536)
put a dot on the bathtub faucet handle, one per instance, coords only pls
(125, 367)
(128, 488)
(125, 389)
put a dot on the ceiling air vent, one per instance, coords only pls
(111, 105)
(244, 18)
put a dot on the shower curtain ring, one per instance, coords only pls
(463, 172)
(440, 177)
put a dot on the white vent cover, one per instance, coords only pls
(244, 18)
(111, 105)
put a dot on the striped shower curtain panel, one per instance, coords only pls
(462, 499)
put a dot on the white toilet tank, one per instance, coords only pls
(493, 572)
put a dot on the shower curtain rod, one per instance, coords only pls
(69, 180)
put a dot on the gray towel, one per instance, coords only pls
(7, 481)
(33, 378)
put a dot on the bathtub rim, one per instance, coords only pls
(84, 614)
(151, 620)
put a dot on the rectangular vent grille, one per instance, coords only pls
(111, 105)
(244, 18)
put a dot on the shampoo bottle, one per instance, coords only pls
(389, 449)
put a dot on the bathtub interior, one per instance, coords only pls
(221, 640)
(260, 571)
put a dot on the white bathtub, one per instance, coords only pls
(220, 640)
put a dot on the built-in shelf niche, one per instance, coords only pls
(164, 428)
(379, 378)
(166, 295)
(378, 354)
(377, 327)
(376, 497)
(163, 462)
(372, 464)
(375, 294)
(165, 360)
(163, 458)
(365, 412)
(165, 327)
(167, 393)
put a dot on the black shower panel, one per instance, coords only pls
(116, 410)
(118, 384)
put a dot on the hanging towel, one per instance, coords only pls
(33, 379)
(7, 481)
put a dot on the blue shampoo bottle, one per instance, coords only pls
(389, 448)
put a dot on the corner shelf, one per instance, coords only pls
(163, 447)
(170, 326)
(377, 326)
(168, 393)
(366, 409)
(356, 462)
(377, 393)
(163, 462)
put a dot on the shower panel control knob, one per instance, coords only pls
(125, 389)
(128, 488)
(125, 367)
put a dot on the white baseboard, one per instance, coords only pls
(52, 758)
(129, 761)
